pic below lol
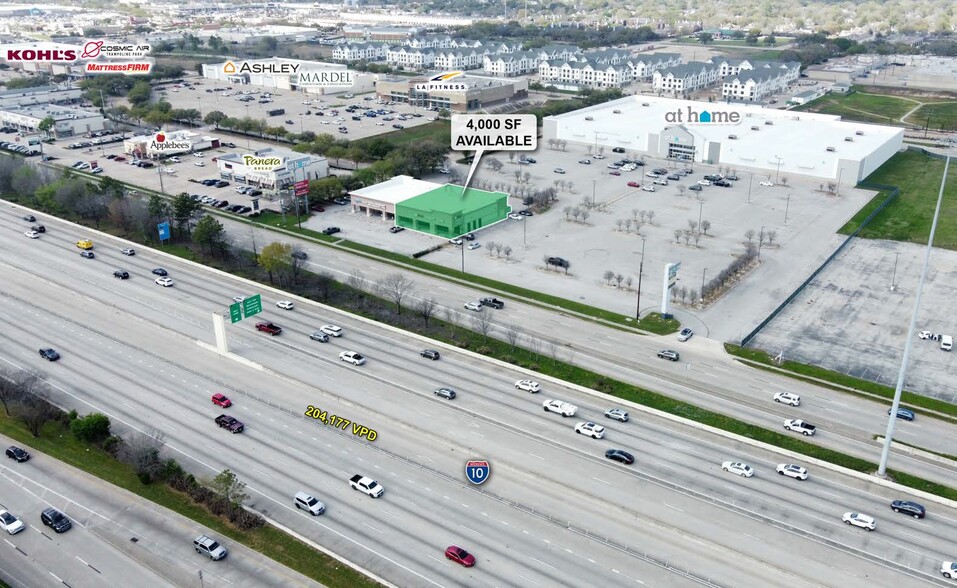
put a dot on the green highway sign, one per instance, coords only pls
(235, 315)
(252, 305)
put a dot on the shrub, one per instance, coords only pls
(93, 428)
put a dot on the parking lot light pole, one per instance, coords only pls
(892, 418)
(897, 256)
(593, 184)
(750, 182)
(778, 170)
(786, 207)
(524, 231)
(703, 274)
(248, 148)
(462, 247)
(641, 270)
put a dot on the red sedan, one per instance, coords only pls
(634, 184)
(222, 400)
(615, 172)
(459, 555)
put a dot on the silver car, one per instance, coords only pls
(618, 414)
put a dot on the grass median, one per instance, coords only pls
(57, 441)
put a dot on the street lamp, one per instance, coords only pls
(703, 274)
(750, 182)
(778, 170)
(247, 130)
(524, 231)
(760, 240)
(641, 270)
(892, 418)
(593, 183)
(897, 256)
(786, 207)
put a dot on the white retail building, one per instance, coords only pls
(778, 142)
(379, 200)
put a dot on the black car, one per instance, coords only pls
(909, 508)
(160, 272)
(429, 354)
(733, 178)
(695, 187)
(14, 452)
(208, 182)
(246, 209)
(331, 230)
(493, 302)
(526, 212)
(55, 519)
(87, 254)
(121, 274)
(30, 218)
(38, 228)
(221, 184)
(559, 261)
(723, 184)
(620, 456)
(300, 254)
(469, 236)
(49, 353)
(396, 229)
(222, 204)
(619, 150)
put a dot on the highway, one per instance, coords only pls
(554, 511)
(845, 423)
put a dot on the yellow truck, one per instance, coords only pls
(85, 244)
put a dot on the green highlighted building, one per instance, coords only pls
(447, 212)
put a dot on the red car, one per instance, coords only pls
(459, 555)
(120, 159)
(615, 172)
(222, 400)
(634, 184)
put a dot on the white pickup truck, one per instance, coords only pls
(563, 408)
(799, 426)
(366, 485)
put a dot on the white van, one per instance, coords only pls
(309, 503)
(946, 342)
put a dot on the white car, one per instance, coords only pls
(10, 523)
(949, 569)
(618, 414)
(559, 170)
(285, 304)
(736, 467)
(473, 246)
(792, 471)
(516, 216)
(238, 298)
(165, 282)
(474, 306)
(767, 183)
(199, 154)
(925, 335)
(199, 163)
(859, 520)
(704, 182)
(598, 156)
(167, 170)
(128, 251)
(528, 385)
(455, 241)
(32, 234)
(787, 398)
(173, 160)
(331, 330)
(685, 334)
(561, 407)
(96, 170)
(352, 357)
(647, 188)
(591, 429)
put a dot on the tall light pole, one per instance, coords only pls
(700, 209)
(750, 182)
(778, 170)
(641, 270)
(524, 231)
(786, 207)
(462, 247)
(703, 274)
(892, 418)
(897, 256)
(593, 184)
(248, 148)
(760, 240)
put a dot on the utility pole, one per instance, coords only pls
(641, 270)
(159, 168)
(897, 256)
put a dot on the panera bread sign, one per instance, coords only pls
(256, 163)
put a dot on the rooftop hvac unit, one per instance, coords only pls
(831, 149)
(769, 122)
(645, 104)
(859, 133)
(755, 128)
(849, 139)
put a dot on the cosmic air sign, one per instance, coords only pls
(99, 56)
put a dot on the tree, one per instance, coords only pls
(47, 124)
(692, 225)
(618, 280)
(214, 118)
(705, 38)
(426, 309)
(677, 235)
(772, 235)
(751, 39)
(35, 409)
(507, 251)
(11, 389)
(784, 180)
(770, 41)
(608, 276)
(209, 234)
(139, 94)
(396, 287)
(158, 207)
(184, 208)
(619, 222)
(585, 215)
(705, 225)
(93, 428)
(121, 214)
(274, 258)
(227, 485)
(483, 324)
(142, 451)
(651, 217)
(749, 235)
(682, 188)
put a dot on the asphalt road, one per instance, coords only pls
(117, 538)
(554, 510)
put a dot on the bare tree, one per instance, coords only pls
(784, 180)
(618, 280)
(761, 236)
(576, 212)
(567, 210)
(677, 235)
(426, 309)
(567, 265)
(682, 189)
(571, 186)
(692, 225)
(483, 324)
(142, 451)
(452, 318)
(619, 222)
(642, 214)
(628, 282)
(651, 217)
(772, 235)
(585, 215)
(693, 295)
(296, 263)
(705, 225)
(683, 293)
(696, 236)
(628, 223)
(357, 280)
(634, 213)
(498, 249)
(749, 235)
(35, 409)
(512, 333)
(545, 259)
(396, 287)
(490, 247)
(10, 388)
(608, 276)
(687, 235)
(507, 251)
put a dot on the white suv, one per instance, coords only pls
(528, 385)
(564, 408)
(331, 330)
(591, 429)
(352, 357)
(787, 398)
(859, 520)
(792, 471)
(309, 503)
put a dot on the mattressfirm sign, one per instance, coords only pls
(511, 132)
(257, 163)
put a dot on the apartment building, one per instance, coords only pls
(644, 66)
(411, 57)
(511, 64)
(681, 79)
(583, 73)
(360, 51)
(455, 59)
